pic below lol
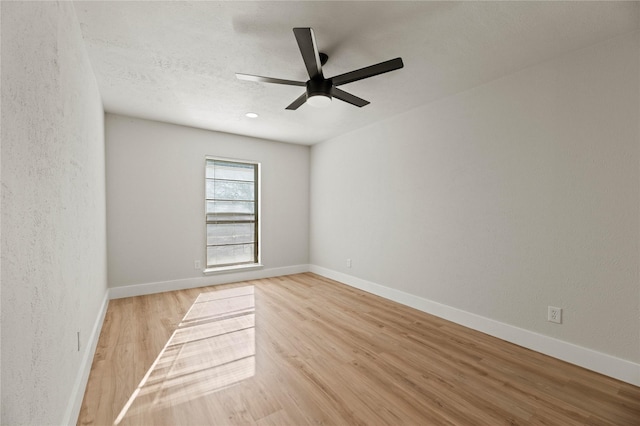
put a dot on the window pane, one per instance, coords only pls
(231, 212)
(224, 255)
(232, 233)
(230, 207)
(230, 190)
(228, 170)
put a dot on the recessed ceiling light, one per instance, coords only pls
(251, 115)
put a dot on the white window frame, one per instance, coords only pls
(257, 263)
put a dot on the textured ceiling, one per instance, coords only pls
(176, 61)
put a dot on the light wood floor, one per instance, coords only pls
(303, 349)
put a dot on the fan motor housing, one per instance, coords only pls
(317, 87)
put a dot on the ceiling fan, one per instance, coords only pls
(320, 90)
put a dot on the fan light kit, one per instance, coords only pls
(320, 90)
(319, 101)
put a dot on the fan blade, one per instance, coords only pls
(367, 72)
(296, 104)
(309, 49)
(348, 97)
(260, 79)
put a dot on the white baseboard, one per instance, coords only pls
(75, 402)
(159, 287)
(599, 362)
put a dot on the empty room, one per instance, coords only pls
(320, 212)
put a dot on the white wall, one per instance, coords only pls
(501, 200)
(53, 213)
(155, 202)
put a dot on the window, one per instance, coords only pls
(231, 213)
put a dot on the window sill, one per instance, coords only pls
(234, 268)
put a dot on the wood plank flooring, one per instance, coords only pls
(302, 349)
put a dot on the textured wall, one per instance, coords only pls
(155, 198)
(501, 200)
(53, 209)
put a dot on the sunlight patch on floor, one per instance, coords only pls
(212, 348)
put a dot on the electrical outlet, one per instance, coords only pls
(348, 263)
(554, 314)
(196, 264)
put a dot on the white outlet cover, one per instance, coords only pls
(554, 314)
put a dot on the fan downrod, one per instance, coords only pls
(323, 58)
